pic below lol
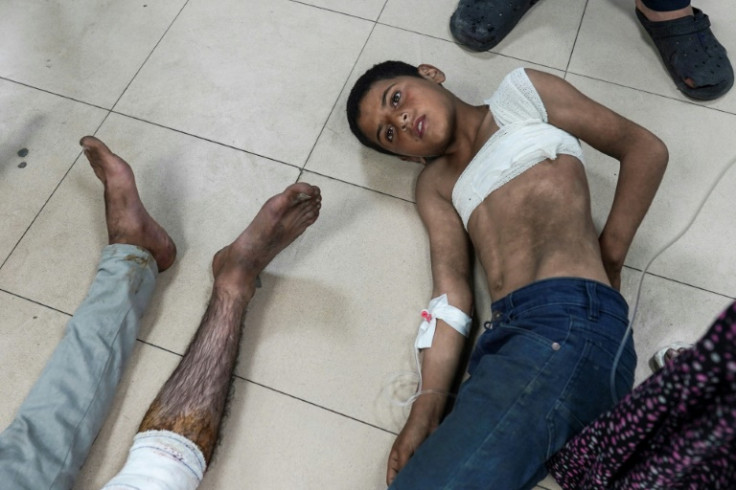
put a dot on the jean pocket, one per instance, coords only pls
(513, 342)
(562, 425)
(586, 395)
(551, 332)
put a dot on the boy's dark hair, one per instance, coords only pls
(381, 71)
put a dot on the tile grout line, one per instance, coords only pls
(346, 14)
(682, 283)
(135, 75)
(383, 9)
(337, 99)
(314, 404)
(359, 186)
(46, 91)
(275, 390)
(204, 138)
(577, 35)
(668, 97)
(583, 75)
(35, 302)
(51, 195)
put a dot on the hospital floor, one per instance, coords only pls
(219, 104)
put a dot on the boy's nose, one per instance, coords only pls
(403, 121)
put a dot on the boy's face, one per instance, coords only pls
(410, 116)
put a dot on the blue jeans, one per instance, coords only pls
(538, 374)
(50, 436)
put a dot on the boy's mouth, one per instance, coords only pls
(419, 126)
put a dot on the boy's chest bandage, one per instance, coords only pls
(524, 139)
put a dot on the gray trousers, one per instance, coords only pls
(49, 439)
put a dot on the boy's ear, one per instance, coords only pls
(421, 160)
(432, 73)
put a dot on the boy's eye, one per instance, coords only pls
(395, 98)
(389, 134)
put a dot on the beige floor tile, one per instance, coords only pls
(698, 152)
(339, 154)
(277, 442)
(545, 35)
(260, 76)
(548, 483)
(613, 46)
(202, 193)
(336, 317)
(29, 335)
(86, 50)
(45, 128)
(667, 312)
(366, 9)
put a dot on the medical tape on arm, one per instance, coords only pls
(440, 309)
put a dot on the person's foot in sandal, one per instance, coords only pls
(481, 24)
(694, 58)
(667, 354)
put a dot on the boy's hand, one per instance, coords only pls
(411, 436)
(614, 274)
(613, 254)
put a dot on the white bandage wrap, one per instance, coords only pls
(160, 460)
(440, 309)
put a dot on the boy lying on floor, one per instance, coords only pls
(507, 178)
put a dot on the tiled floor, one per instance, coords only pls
(219, 104)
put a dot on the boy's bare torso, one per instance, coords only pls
(536, 226)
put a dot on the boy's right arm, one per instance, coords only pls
(451, 273)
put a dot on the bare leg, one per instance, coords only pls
(54, 428)
(192, 401)
(127, 219)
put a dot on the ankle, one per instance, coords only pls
(235, 291)
(660, 16)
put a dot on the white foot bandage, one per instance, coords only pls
(440, 309)
(160, 460)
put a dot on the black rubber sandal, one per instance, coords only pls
(690, 50)
(481, 24)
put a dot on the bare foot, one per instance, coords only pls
(279, 222)
(127, 219)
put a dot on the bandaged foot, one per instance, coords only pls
(160, 460)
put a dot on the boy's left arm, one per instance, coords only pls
(642, 156)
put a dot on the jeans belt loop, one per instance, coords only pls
(594, 304)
